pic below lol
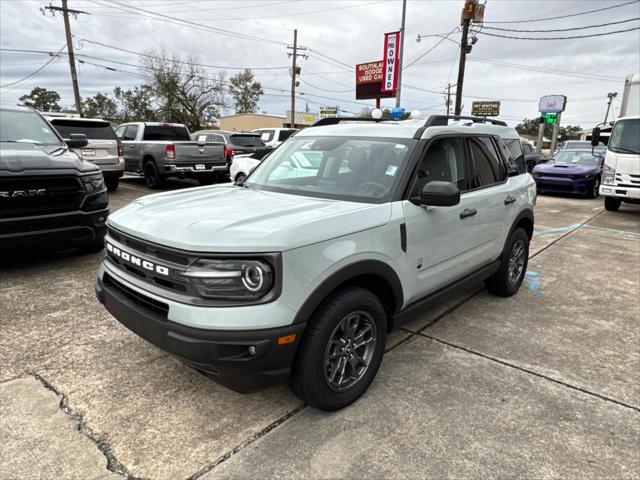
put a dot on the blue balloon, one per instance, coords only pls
(397, 113)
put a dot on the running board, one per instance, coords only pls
(420, 306)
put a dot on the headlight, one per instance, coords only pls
(230, 279)
(93, 183)
(608, 174)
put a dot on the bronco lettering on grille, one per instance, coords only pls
(140, 262)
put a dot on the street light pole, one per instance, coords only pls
(404, 16)
(611, 96)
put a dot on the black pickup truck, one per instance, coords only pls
(49, 197)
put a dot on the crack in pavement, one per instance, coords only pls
(113, 464)
(247, 442)
(532, 372)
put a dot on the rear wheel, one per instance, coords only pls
(152, 177)
(341, 350)
(612, 203)
(112, 183)
(507, 280)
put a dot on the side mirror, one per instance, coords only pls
(76, 140)
(595, 137)
(438, 194)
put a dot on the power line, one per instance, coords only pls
(176, 61)
(564, 16)
(54, 57)
(558, 38)
(563, 29)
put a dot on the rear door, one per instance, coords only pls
(132, 155)
(441, 241)
(102, 147)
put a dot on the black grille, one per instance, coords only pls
(148, 249)
(42, 195)
(160, 309)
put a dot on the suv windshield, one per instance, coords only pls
(25, 127)
(247, 140)
(347, 168)
(93, 130)
(572, 157)
(625, 137)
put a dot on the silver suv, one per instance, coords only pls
(342, 233)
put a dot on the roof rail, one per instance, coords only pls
(336, 120)
(443, 121)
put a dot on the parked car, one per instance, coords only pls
(531, 157)
(49, 196)
(243, 165)
(581, 145)
(272, 137)
(161, 150)
(298, 274)
(103, 147)
(235, 143)
(570, 171)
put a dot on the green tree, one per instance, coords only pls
(42, 99)
(136, 104)
(529, 126)
(183, 91)
(245, 91)
(101, 106)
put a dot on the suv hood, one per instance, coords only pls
(24, 157)
(234, 219)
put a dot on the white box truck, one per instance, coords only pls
(621, 170)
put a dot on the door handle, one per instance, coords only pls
(509, 200)
(468, 212)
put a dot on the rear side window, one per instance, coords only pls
(284, 134)
(247, 141)
(266, 135)
(166, 133)
(131, 132)
(216, 139)
(488, 169)
(93, 130)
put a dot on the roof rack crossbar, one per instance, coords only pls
(336, 120)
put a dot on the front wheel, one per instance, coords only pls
(612, 204)
(595, 188)
(341, 350)
(507, 280)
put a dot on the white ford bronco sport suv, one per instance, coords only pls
(346, 230)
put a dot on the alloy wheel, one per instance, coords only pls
(516, 262)
(350, 350)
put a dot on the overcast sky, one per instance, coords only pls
(338, 34)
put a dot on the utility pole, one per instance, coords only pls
(72, 59)
(467, 14)
(295, 71)
(400, 57)
(611, 96)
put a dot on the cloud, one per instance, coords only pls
(347, 31)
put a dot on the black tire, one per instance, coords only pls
(612, 204)
(152, 177)
(94, 246)
(240, 178)
(310, 377)
(112, 183)
(595, 189)
(506, 282)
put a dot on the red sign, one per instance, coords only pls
(369, 73)
(390, 62)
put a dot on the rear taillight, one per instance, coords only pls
(170, 152)
(228, 152)
(120, 149)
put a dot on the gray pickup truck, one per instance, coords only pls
(160, 150)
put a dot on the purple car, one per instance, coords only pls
(570, 171)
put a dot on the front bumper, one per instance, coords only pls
(242, 360)
(60, 230)
(577, 186)
(625, 193)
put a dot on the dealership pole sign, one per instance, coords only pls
(485, 109)
(390, 62)
(369, 81)
(552, 103)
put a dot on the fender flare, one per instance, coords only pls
(526, 213)
(346, 273)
